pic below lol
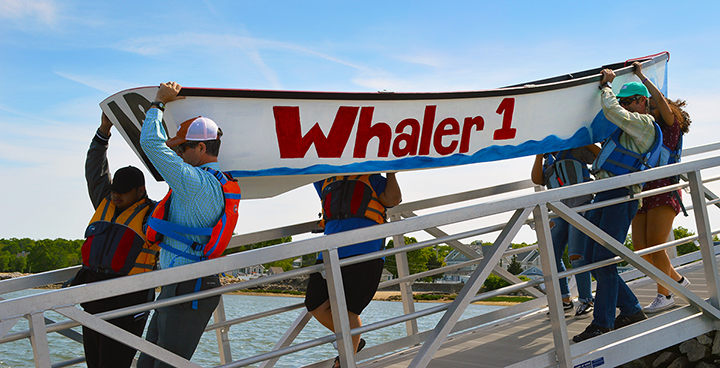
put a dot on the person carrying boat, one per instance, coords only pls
(197, 200)
(348, 203)
(634, 144)
(653, 223)
(115, 245)
(558, 169)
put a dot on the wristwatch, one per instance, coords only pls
(606, 84)
(158, 104)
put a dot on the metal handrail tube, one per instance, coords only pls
(460, 197)
(38, 279)
(280, 352)
(427, 203)
(74, 295)
(419, 275)
(355, 236)
(242, 285)
(250, 317)
(57, 326)
(441, 307)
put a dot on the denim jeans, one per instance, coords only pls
(611, 290)
(565, 234)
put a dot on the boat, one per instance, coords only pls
(275, 141)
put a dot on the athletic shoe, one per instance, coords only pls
(584, 310)
(684, 282)
(567, 307)
(590, 332)
(660, 304)
(622, 321)
(361, 345)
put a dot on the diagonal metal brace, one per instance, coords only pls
(644, 266)
(125, 337)
(458, 306)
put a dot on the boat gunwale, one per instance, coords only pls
(542, 85)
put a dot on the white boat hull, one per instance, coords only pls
(275, 141)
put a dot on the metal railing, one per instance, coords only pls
(523, 205)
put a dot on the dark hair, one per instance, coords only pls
(213, 146)
(681, 115)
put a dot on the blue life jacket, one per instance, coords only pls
(618, 160)
(669, 156)
(562, 168)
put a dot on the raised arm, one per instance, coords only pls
(659, 98)
(536, 175)
(97, 171)
(391, 196)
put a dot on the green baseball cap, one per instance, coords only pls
(632, 89)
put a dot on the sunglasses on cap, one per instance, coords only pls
(627, 101)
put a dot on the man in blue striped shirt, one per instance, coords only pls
(197, 202)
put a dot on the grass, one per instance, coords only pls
(289, 292)
(512, 299)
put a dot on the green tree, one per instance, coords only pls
(417, 259)
(494, 282)
(681, 232)
(435, 261)
(515, 267)
(285, 264)
(17, 264)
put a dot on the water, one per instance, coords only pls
(246, 339)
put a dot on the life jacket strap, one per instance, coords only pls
(174, 230)
(180, 253)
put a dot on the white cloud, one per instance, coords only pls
(104, 85)
(219, 46)
(44, 11)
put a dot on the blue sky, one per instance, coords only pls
(59, 59)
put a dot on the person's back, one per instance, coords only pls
(195, 204)
(559, 169)
(352, 202)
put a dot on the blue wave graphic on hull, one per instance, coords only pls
(600, 128)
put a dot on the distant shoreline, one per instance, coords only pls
(391, 296)
(385, 296)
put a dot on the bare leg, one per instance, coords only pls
(653, 228)
(323, 314)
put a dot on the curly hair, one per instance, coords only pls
(681, 115)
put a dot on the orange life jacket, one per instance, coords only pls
(220, 234)
(115, 242)
(350, 196)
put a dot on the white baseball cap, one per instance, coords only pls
(198, 128)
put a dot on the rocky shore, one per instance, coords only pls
(700, 352)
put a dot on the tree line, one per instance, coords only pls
(28, 255)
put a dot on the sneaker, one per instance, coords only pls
(590, 332)
(660, 304)
(684, 282)
(567, 307)
(584, 310)
(361, 345)
(622, 321)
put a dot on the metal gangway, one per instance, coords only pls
(516, 201)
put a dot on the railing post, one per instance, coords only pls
(338, 307)
(707, 249)
(38, 339)
(550, 272)
(222, 334)
(403, 269)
